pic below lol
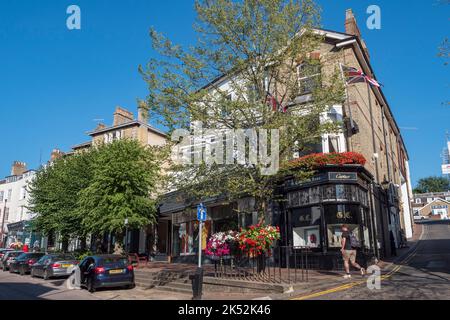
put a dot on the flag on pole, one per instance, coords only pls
(353, 75)
(273, 102)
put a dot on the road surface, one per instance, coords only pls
(424, 274)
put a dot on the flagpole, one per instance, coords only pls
(347, 99)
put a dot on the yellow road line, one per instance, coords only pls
(357, 283)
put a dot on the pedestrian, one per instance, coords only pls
(349, 247)
(25, 248)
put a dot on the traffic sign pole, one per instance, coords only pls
(200, 234)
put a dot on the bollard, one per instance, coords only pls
(197, 284)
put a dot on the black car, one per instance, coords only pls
(101, 271)
(53, 265)
(22, 264)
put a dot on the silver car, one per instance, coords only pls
(53, 265)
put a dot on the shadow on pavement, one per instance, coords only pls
(23, 291)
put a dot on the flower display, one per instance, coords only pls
(257, 239)
(220, 244)
(317, 160)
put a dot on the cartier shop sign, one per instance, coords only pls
(343, 176)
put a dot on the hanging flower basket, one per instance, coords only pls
(257, 239)
(221, 244)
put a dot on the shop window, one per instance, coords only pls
(335, 234)
(306, 227)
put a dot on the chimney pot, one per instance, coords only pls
(18, 168)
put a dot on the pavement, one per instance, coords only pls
(421, 271)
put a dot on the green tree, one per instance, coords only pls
(54, 195)
(432, 184)
(260, 46)
(123, 186)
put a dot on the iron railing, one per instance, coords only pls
(282, 264)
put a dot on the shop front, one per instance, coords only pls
(316, 210)
(185, 229)
(22, 232)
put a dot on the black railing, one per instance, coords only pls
(282, 264)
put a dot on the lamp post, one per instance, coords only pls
(3, 221)
(126, 235)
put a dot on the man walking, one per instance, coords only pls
(348, 249)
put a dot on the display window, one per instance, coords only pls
(334, 232)
(306, 227)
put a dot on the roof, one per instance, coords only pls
(82, 145)
(127, 124)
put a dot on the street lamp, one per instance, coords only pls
(126, 235)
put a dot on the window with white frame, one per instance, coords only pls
(9, 194)
(308, 76)
(2, 195)
(23, 193)
(418, 200)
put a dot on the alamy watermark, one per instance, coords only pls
(247, 147)
(374, 20)
(73, 22)
(374, 279)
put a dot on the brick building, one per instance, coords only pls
(376, 195)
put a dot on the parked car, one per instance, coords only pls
(2, 253)
(23, 262)
(53, 265)
(8, 258)
(102, 271)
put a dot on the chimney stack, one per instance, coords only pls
(18, 168)
(56, 154)
(351, 27)
(142, 112)
(122, 116)
(100, 126)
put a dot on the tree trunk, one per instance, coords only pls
(65, 244)
(83, 244)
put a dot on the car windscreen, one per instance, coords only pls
(116, 262)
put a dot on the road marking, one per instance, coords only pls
(357, 283)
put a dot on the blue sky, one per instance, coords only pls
(54, 82)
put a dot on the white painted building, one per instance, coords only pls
(14, 197)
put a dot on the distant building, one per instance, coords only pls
(432, 205)
(14, 197)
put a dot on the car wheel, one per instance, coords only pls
(130, 286)
(90, 285)
(46, 275)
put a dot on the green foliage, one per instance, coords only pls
(432, 184)
(95, 190)
(125, 175)
(55, 191)
(257, 46)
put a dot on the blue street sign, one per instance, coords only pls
(201, 212)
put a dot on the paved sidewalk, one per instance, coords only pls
(318, 281)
